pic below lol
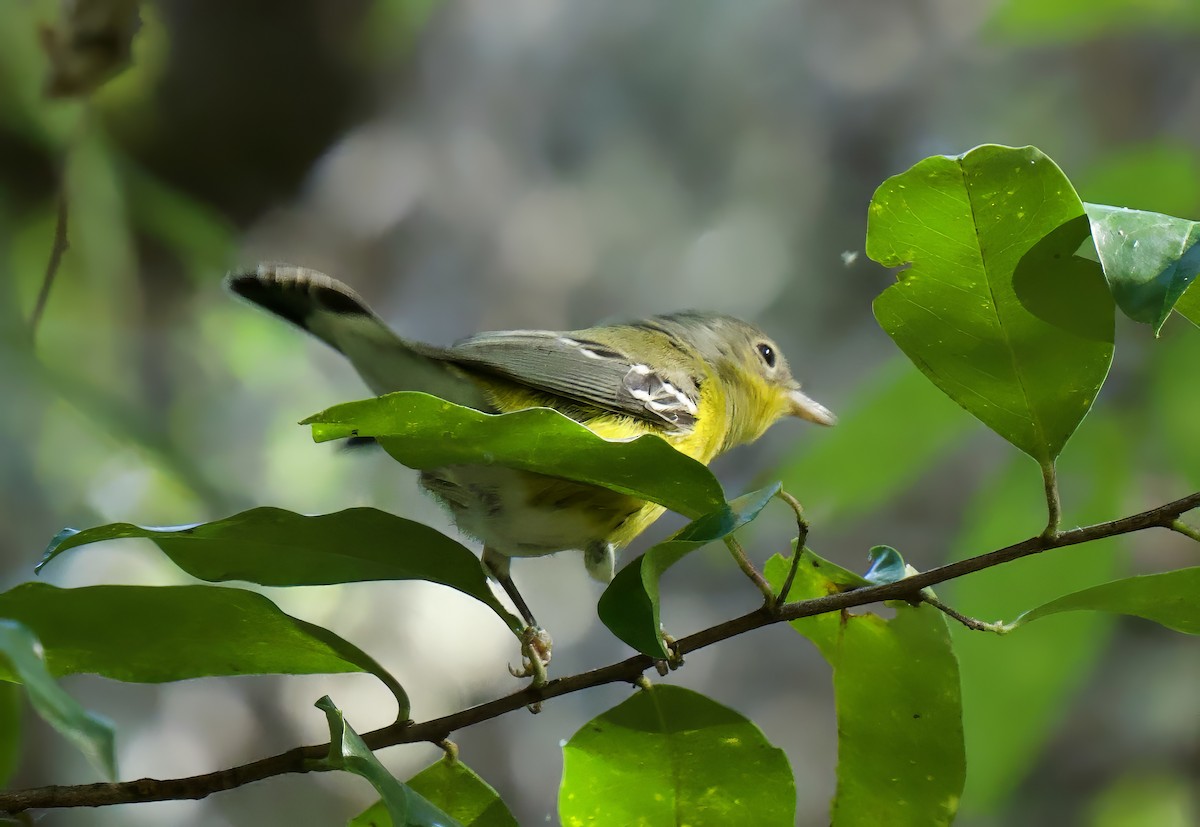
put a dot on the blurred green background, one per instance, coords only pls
(471, 165)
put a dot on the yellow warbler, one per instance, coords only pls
(704, 382)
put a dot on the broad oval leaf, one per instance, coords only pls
(670, 756)
(1149, 259)
(996, 309)
(901, 759)
(348, 752)
(455, 789)
(154, 634)
(92, 734)
(629, 606)
(273, 547)
(422, 431)
(1168, 598)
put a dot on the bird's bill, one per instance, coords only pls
(810, 409)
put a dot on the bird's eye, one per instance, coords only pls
(767, 353)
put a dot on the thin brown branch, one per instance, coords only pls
(58, 247)
(626, 671)
(970, 622)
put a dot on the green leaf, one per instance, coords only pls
(452, 786)
(423, 432)
(671, 756)
(901, 759)
(1168, 599)
(273, 547)
(1016, 690)
(153, 634)
(887, 566)
(10, 731)
(898, 415)
(629, 606)
(21, 660)
(1149, 259)
(996, 309)
(348, 753)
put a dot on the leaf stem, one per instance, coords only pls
(1053, 503)
(1186, 530)
(739, 555)
(969, 622)
(801, 539)
(58, 247)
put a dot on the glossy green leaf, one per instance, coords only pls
(901, 759)
(422, 431)
(454, 788)
(996, 309)
(1168, 598)
(348, 753)
(629, 606)
(21, 659)
(1149, 259)
(670, 756)
(1015, 690)
(887, 566)
(897, 414)
(152, 634)
(10, 731)
(273, 547)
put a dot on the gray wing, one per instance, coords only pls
(582, 370)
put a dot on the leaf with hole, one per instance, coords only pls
(995, 307)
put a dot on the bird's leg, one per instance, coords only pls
(536, 644)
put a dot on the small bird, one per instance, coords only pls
(704, 382)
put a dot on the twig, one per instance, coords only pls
(59, 246)
(969, 622)
(1185, 529)
(739, 555)
(1053, 503)
(626, 671)
(801, 539)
